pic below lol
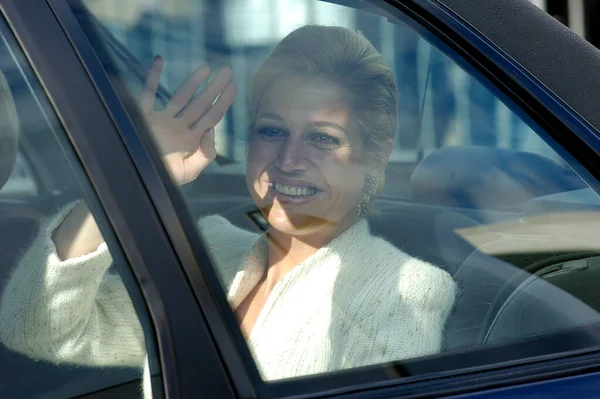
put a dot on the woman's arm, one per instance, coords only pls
(60, 303)
(70, 310)
(184, 133)
(78, 234)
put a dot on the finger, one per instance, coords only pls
(203, 102)
(217, 111)
(151, 84)
(186, 91)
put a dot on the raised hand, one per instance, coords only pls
(184, 130)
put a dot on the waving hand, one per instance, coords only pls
(184, 130)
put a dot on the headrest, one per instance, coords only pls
(488, 178)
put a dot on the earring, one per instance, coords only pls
(369, 190)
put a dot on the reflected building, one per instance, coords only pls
(438, 104)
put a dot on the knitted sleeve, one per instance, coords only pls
(75, 311)
(69, 311)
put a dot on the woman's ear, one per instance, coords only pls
(381, 160)
(388, 145)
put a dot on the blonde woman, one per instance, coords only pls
(318, 292)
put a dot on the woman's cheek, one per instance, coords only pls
(346, 180)
(252, 175)
(262, 153)
(257, 177)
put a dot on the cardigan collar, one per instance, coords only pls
(254, 265)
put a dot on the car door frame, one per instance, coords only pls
(181, 333)
(495, 65)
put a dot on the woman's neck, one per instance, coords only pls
(288, 251)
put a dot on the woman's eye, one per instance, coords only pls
(271, 132)
(325, 140)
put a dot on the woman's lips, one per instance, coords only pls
(296, 194)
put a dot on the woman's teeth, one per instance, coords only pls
(294, 191)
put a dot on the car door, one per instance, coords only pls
(493, 177)
(48, 92)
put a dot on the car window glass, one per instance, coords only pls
(364, 197)
(68, 323)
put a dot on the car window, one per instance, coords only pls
(62, 285)
(377, 199)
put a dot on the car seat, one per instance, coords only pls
(558, 297)
(488, 178)
(540, 281)
(490, 242)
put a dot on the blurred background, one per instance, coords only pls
(440, 104)
(240, 33)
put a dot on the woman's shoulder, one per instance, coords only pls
(413, 279)
(400, 309)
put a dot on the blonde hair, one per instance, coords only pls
(343, 57)
(9, 131)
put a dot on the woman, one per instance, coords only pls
(316, 293)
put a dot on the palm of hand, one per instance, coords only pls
(184, 130)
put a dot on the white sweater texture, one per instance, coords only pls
(355, 302)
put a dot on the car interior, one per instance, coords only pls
(516, 230)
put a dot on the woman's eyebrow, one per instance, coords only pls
(270, 115)
(328, 124)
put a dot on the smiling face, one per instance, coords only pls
(306, 160)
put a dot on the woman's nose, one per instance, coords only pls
(293, 156)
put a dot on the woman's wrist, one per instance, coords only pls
(78, 234)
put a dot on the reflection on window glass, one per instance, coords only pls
(68, 326)
(20, 181)
(373, 198)
(461, 110)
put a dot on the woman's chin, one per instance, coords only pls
(295, 224)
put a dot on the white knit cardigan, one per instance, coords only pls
(355, 302)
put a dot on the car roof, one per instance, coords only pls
(557, 57)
